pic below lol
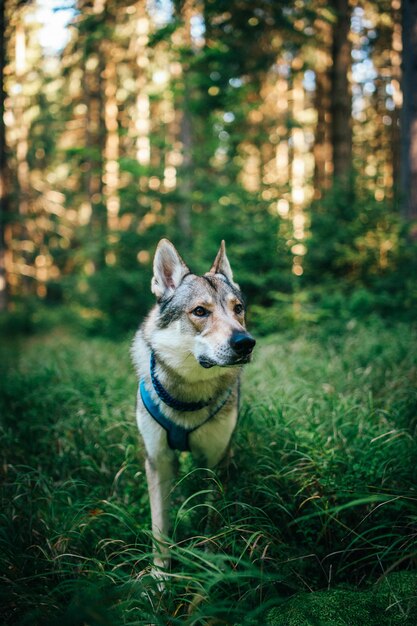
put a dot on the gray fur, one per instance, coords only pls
(196, 360)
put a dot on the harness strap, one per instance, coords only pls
(178, 436)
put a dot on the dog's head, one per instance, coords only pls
(200, 316)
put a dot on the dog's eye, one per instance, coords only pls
(238, 309)
(200, 311)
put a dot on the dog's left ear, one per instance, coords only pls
(221, 263)
(168, 269)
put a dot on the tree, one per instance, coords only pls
(3, 162)
(183, 209)
(341, 109)
(323, 98)
(409, 111)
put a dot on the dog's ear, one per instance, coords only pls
(168, 269)
(221, 263)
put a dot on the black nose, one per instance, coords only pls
(242, 343)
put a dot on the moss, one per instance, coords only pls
(390, 602)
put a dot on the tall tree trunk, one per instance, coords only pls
(142, 113)
(20, 104)
(341, 109)
(3, 164)
(395, 57)
(322, 147)
(298, 177)
(95, 143)
(95, 132)
(409, 111)
(186, 134)
(111, 154)
(184, 208)
(282, 149)
(23, 227)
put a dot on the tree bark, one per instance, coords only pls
(95, 144)
(186, 136)
(111, 153)
(3, 163)
(142, 114)
(20, 105)
(395, 139)
(409, 111)
(184, 209)
(341, 106)
(322, 147)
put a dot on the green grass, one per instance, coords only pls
(315, 522)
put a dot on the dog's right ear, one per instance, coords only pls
(168, 269)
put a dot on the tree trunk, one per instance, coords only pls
(184, 208)
(395, 139)
(22, 229)
(186, 135)
(111, 154)
(142, 114)
(20, 106)
(341, 109)
(95, 144)
(322, 147)
(409, 111)
(3, 164)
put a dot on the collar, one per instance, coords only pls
(166, 397)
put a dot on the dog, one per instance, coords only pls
(188, 354)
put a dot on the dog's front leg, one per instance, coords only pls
(160, 475)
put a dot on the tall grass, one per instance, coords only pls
(320, 493)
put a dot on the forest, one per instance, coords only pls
(289, 129)
(273, 125)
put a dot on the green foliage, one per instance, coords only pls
(361, 259)
(353, 237)
(115, 300)
(320, 493)
(391, 602)
(259, 257)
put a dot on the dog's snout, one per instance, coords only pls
(242, 343)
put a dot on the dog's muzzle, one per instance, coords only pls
(242, 344)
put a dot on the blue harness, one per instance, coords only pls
(178, 436)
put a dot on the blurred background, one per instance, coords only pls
(283, 127)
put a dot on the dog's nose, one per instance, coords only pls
(242, 343)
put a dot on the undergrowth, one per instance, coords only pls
(318, 503)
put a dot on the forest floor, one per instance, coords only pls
(315, 522)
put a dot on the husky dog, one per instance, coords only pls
(188, 354)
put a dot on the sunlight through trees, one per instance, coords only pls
(202, 121)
